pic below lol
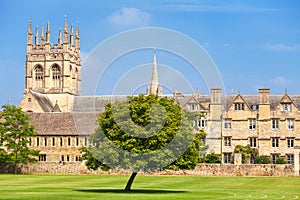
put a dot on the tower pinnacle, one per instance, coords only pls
(48, 33)
(29, 32)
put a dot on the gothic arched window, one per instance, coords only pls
(56, 75)
(38, 76)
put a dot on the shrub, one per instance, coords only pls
(280, 160)
(211, 158)
(262, 160)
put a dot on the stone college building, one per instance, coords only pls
(270, 123)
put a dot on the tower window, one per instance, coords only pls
(38, 76)
(56, 75)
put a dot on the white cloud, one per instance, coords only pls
(214, 6)
(279, 80)
(281, 47)
(128, 17)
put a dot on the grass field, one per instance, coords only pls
(147, 187)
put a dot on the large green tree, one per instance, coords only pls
(15, 131)
(146, 133)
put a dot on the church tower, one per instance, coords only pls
(52, 70)
(154, 87)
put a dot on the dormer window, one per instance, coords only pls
(239, 106)
(254, 107)
(193, 106)
(286, 107)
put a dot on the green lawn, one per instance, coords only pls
(147, 187)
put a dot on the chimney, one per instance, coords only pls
(264, 96)
(216, 95)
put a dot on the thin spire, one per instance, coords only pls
(43, 35)
(77, 37)
(72, 35)
(29, 26)
(154, 87)
(36, 35)
(29, 32)
(60, 36)
(66, 30)
(48, 33)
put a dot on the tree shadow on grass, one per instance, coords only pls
(135, 191)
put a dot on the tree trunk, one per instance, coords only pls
(130, 181)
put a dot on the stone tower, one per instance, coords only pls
(52, 70)
(154, 87)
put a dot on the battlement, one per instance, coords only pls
(67, 41)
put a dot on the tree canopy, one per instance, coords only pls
(15, 131)
(145, 133)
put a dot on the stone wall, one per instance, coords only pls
(200, 170)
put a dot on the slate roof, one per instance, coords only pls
(83, 118)
(64, 123)
(43, 100)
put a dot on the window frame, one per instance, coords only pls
(227, 141)
(239, 106)
(252, 124)
(290, 158)
(227, 124)
(275, 142)
(253, 142)
(286, 107)
(290, 124)
(290, 142)
(56, 75)
(275, 124)
(227, 158)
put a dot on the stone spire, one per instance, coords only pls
(154, 87)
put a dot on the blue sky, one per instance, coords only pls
(253, 43)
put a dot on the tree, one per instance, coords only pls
(247, 152)
(15, 131)
(146, 133)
